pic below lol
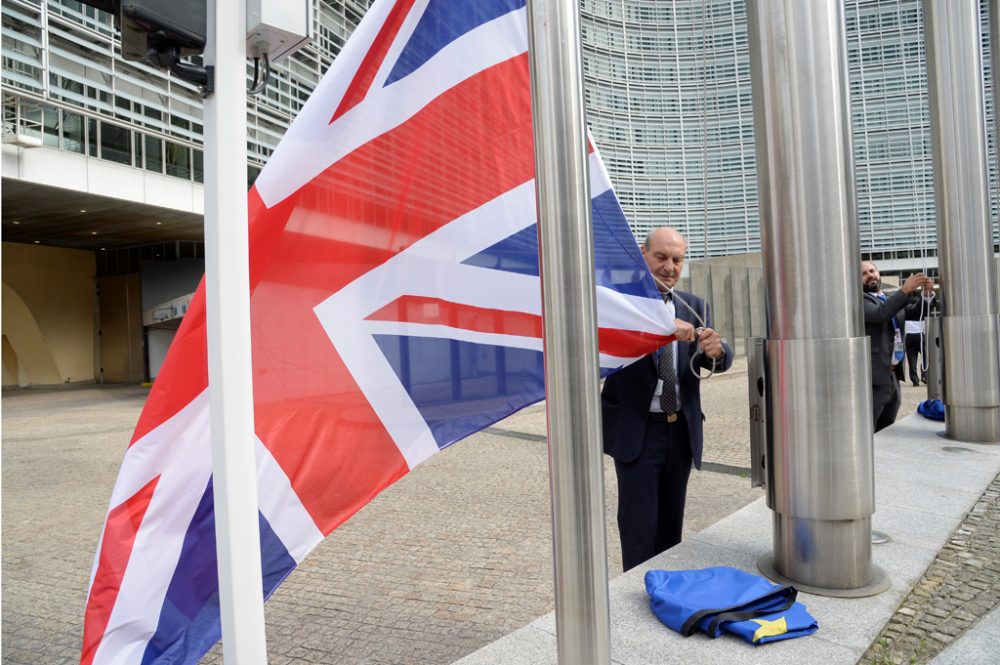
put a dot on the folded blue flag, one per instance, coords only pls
(719, 599)
(932, 409)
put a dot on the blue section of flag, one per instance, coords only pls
(517, 253)
(462, 387)
(190, 622)
(622, 267)
(615, 251)
(443, 22)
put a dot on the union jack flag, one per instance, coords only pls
(395, 306)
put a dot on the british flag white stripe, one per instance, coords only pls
(282, 507)
(184, 472)
(439, 331)
(149, 455)
(312, 144)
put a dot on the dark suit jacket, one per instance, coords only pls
(878, 327)
(628, 392)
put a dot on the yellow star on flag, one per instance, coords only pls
(770, 628)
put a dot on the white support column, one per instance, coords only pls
(227, 289)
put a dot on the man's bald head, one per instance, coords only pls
(664, 250)
(664, 234)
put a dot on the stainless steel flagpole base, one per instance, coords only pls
(879, 582)
(977, 424)
(972, 396)
(820, 475)
(969, 326)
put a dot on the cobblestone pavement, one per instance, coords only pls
(961, 586)
(453, 556)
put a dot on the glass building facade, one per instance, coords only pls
(668, 98)
(667, 91)
(64, 82)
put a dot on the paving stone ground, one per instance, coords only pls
(452, 557)
(960, 587)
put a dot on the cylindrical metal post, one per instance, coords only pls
(820, 455)
(934, 360)
(994, 14)
(569, 310)
(969, 324)
(993, 7)
(227, 298)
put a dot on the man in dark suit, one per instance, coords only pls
(885, 321)
(651, 409)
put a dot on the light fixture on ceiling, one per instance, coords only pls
(93, 233)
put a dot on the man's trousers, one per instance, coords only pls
(652, 489)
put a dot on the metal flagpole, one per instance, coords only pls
(230, 384)
(820, 476)
(569, 310)
(970, 325)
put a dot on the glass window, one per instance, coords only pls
(153, 154)
(92, 137)
(72, 132)
(155, 117)
(116, 143)
(178, 159)
(199, 165)
(31, 121)
(50, 126)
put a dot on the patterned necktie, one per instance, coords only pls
(668, 372)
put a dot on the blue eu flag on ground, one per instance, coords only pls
(723, 599)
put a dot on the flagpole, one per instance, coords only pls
(566, 254)
(230, 382)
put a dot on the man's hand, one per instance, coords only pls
(928, 288)
(915, 281)
(711, 344)
(685, 331)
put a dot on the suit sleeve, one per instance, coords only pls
(877, 311)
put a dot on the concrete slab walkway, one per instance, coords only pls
(925, 486)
